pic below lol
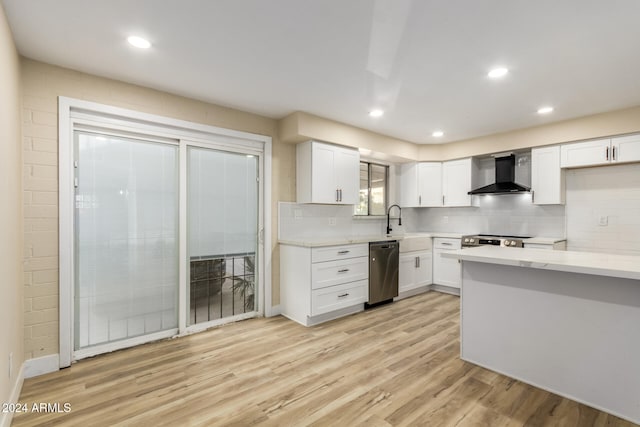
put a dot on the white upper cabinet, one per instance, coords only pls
(436, 184)
(620, 149)
(588, 153)
(409, 194)
(457, 181)
(327, 173)
(625, 149)
(430, 183)
(421, 184)
(547, 177)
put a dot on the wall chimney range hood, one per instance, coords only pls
(505, 179)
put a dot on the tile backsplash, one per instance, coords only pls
(298, 220)
(512, 214)
(603, 209)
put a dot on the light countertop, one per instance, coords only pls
(543, 240)
(612, 265)
(312, 242)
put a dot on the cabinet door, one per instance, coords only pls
(547, 178)
(347, 173)
(446, 271)
(625, 149)
(424, 270)
(409, 185)
(587, 153)
(430, 184)
(456, 182)
(407, 272)
(323, 178)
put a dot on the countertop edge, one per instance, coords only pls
(581, 262)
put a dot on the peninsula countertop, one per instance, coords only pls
(612, 265)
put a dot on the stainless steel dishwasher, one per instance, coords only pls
(383, 271)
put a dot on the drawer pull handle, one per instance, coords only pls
(343, 252)
(344, 270)
(447, 244)
(343, 295)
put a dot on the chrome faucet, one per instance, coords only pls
(389, 218)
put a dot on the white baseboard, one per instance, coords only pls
(41, 365)
(276, 310)
(446, 289)
(6, 417)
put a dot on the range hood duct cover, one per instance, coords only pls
(505, 179)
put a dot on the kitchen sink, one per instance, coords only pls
(415, 242)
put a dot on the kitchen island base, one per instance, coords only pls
(576, 335)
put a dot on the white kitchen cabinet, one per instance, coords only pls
(547, 177)
(587, 153)
(414, 272)
(327, 173)
(323, 283)
(458, 178)
(421, 184)
(446, 271)
(436, 184)
(625, 149)
(619, 149)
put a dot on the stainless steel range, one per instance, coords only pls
(492, 239)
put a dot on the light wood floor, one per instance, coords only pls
(394, 365)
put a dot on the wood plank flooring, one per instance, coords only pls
(396, 365)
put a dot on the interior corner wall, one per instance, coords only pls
(42, 84)
(11, 291)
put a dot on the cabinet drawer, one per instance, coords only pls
(332, 273)
(340, 296)
(443, 243)
(330, 253)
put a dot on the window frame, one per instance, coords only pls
(386, 189)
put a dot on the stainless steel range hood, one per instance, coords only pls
(505, 179)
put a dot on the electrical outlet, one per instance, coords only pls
(332, 220)
(10, 365)
(603, 220)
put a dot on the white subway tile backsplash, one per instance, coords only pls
(612, 192)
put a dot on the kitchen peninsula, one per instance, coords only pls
(566, 322)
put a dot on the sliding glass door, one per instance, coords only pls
(126, 238)
(223, 209)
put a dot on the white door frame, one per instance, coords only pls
(74, 112)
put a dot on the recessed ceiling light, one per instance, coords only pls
(496, 73)
(139, 42)
(545, 110)
(437, 133)
(376, 113)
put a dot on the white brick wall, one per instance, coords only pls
(608, 191)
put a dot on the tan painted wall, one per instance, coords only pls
(588, 127)
(11, 333)
(299, 126)
(42, 84)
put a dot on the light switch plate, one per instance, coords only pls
(603, 220)
(332, 220)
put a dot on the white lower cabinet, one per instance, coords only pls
(446, 271)
(414, 271)
(319, 284)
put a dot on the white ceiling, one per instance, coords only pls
(423, 61)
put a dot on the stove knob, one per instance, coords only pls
(513, 243)
(472, 240)
(466, 240)
(507, 243)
